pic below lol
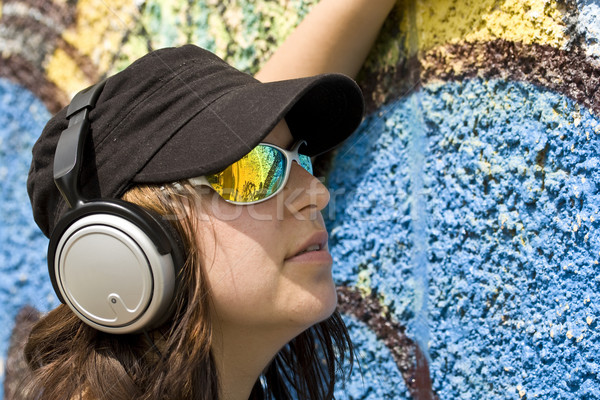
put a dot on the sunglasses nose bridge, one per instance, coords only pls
(293, 154)
(295, 158)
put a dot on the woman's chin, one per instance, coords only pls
(320, 307)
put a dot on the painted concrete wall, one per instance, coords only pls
(465, 210)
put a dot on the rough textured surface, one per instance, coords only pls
(490, 194)
(527, 21)
(22, 246)
(410, 359)
(589, 27)
(464, 211)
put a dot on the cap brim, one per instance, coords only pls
(323, 110)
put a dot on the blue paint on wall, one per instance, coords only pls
(509, 193)
(513, 241)
(374, 364)
(22, 246)
(589, 26)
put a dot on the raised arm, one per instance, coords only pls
(335, 36)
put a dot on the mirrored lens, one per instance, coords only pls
(305, 163)
(255, 176)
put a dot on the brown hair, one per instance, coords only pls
(70, 360)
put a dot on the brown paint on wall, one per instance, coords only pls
(569, 72)
(17, 371)
(22, 72)
(407, 354)
(60, 11)
(390, 84)
(33, 42)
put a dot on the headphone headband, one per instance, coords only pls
(69, 150)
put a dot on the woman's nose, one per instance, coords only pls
(304, 191)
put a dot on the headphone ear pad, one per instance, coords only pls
(115, 265)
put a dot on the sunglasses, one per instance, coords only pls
(257, 176)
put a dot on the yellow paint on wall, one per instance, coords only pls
(279, 18)
(220, 34)
(65, 73)
(97, 34)
(450, 21)
(100, 27)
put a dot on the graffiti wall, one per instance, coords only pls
(465, 210)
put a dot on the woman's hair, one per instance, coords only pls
(70, 360)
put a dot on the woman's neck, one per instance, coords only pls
(241, 355)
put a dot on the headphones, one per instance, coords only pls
(115, 264)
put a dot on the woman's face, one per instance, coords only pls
(260, 273)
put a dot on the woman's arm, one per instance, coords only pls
(335, 36)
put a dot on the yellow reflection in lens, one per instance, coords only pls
(255, 176)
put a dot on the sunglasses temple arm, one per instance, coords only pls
(199, 181)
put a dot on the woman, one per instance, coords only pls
(233, 297)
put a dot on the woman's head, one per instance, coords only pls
(258, 269)
(174, 114)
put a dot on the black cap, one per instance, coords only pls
(182, 112)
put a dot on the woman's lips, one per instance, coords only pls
(314, 249)
(321, 256)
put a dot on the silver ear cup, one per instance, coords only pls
(112, 276)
